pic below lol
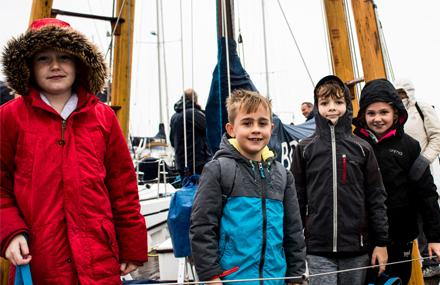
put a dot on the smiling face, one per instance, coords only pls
(54, 72)
(380, 117)
(252, 131)
(332, 108)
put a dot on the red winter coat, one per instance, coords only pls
(71, 187)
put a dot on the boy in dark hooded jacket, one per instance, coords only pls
(257, 232)
(340, 192)
(406, 174)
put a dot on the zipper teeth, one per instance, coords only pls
(263, 206)
(344, 169)
(335, 193)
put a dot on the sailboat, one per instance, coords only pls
(121, 84)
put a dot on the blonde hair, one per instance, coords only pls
(246, 101)
(330, 89)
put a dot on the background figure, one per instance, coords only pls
(306, 110)
(6, 94)
(201, 154)
(424, 125)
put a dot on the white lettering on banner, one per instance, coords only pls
(287, 153)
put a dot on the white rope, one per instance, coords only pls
(386, 57)
(353, 49)
(240, 38)
(225, 34)
(302, 277)
(326, 37)
(266, 63)
(167, 104)
(296, 44)
(114, 29)
(181, 47)
(192, 95)
(185, 153)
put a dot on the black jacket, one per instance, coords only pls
(340, 188)
(202, 152)
(406, 174)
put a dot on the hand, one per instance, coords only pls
(127, 268)
(17, 251)
(434, 248)
(380, 256)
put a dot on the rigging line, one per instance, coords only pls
(225, 33)
(302, 277)
(159, 70)
(192, 85)
(94, 23)
(167, 104)
(116, 25)
(266, 64)
(326, 37)
(296, 44)
(240, 38)
(352, 46)
(387, 60)
(181, 46)
(110, 49)
(185, 145)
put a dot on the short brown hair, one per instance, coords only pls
(247, 101)
(330, 89)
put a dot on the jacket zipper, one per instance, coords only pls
(335, 190)
(263, 208)
(344, 169)
(62, 141)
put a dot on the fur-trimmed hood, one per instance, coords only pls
(58, 35)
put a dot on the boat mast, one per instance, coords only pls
(341, 57)
(40, 9)
(370, 47)
(229, 18)
(122, 60)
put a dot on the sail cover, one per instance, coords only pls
(284, 137)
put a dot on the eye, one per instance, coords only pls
(65, 57)
(41, 58)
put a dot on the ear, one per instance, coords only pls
(272, 126)
(230, 130)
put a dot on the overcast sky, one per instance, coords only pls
(411, 34)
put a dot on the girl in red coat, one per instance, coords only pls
(69, 201)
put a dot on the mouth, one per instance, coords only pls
(55, 77)
(255, 139)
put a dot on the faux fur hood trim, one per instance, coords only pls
(18, 53)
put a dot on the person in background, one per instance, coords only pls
(307, 110)
(69, 197)
(256, 231)
(197, 151)
(423, 125)
(405, 172)
(340, 192)
(6, 94)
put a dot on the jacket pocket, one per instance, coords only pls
(99, 145)
(24, 157)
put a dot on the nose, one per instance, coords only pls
(332, 105)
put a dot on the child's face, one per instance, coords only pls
(380, 117)
(252, 132)
(332, 108)
(54, 72)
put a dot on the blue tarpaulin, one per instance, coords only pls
(284, 137)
